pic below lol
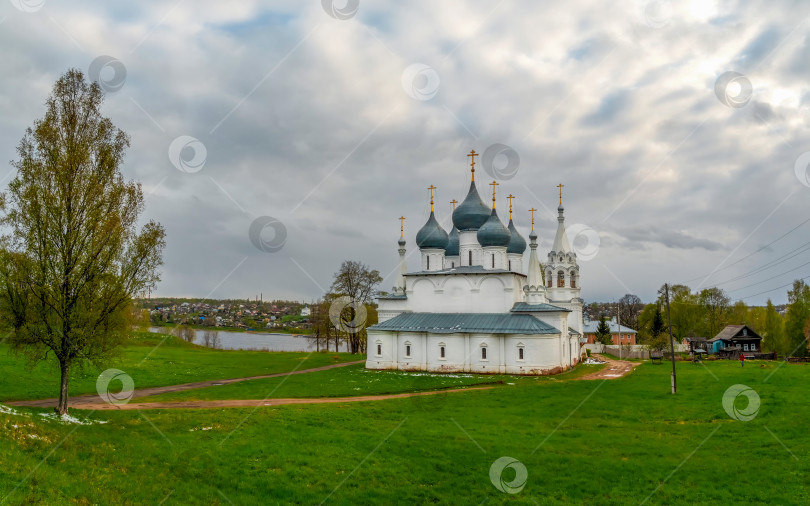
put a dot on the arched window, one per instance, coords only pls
(452, 264)
(520, 353)
(441, 351)
(510, 265)
(548, 278)
(470, 253)
(573, 280)
(484, 353)
(428, 262)
(561, 279)
(379, 348)
(407, 350)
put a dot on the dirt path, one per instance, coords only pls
(614, 369)
(146, 392)
(96, 404)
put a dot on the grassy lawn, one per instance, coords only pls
(600, 442)
(151, 363)
(354, 380)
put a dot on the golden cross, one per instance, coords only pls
(431, 188)
(510, 197)
(401, 226)
(532, 210)
(454, 202)
(472, 156)
(560, 186)
(493, 184)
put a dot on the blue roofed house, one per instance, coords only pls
(472, 307)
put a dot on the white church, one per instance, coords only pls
(471, 306)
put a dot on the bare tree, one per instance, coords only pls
(357, 282)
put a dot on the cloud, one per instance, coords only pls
(304, 119)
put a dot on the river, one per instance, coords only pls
(263, 341)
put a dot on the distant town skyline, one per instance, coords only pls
(276, 141)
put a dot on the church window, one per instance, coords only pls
(470, 254)
(379, 350)
(573, 281)
(452, 264)
(428, 262)
(484, 353)
(510, 265)
(441, 351)
(520, 353)
(493, 260)
(407, 350)
(561, 279)
(548, 277)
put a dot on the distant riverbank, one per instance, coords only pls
(253, 340)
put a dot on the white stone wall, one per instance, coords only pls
(463, 353)
(514, 262)
(468, 241)
(491, 293)
(432, 259)
(494, 257)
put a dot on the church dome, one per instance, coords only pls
(452, 243)
(472, 213)
(432, 235)
(517, 244)
(493, 233)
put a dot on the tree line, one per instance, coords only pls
(704, 313)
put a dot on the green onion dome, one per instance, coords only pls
(432, 235)
(517, 244)
(452, 243)
(472, 213)
(493, 233)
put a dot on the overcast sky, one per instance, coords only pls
(678, 130)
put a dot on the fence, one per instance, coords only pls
(630, 351)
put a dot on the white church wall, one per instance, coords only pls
(463, 353)
(494, 293)
(389, 308)
(468, 241)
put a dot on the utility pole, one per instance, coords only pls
(671, 342)
(619, 325)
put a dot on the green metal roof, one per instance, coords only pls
(466, 323)
(524, 307)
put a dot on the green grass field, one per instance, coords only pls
(154, 360)
(622, 441)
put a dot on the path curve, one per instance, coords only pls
(614, 369)
(146, 392)
(97, 404)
